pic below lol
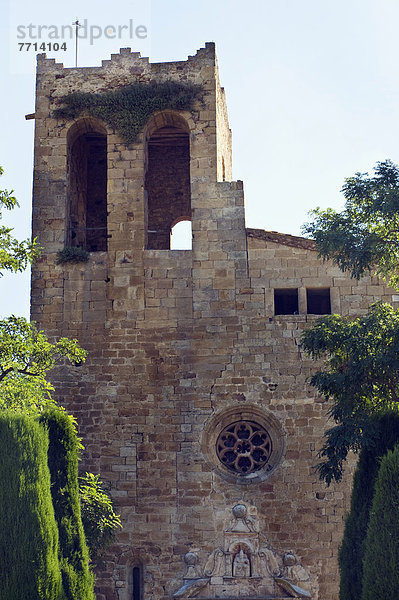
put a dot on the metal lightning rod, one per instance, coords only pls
(77, 24)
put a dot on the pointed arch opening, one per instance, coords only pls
(87, 185)
(167, 180)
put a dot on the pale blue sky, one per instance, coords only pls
(312, 90)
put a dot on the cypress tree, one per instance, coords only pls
(381, 557)
(63, 463)
(29, 563)
(351, 552)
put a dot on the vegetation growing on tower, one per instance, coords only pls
(127, 109)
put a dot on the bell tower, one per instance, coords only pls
(193, 401)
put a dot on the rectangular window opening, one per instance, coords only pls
(286, 301)
(318, 301)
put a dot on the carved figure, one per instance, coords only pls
(241, 565)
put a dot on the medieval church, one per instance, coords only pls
(194, 402)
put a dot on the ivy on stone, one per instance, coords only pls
(127, 109)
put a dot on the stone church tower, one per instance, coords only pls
(193, 403)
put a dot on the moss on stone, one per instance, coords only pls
(127, 109)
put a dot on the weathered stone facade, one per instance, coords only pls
(185, 348)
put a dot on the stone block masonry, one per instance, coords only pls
(194, 398)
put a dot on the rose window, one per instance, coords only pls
(244, 447)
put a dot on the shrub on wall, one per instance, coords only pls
(63, 464)
(72, 254)
(29, 563)
(351, 552)
(127, 109)
(381, 556)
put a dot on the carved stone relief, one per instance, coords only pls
(244, 566)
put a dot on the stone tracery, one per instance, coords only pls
(244, 447)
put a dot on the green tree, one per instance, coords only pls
(364, 237)
(29, 543)
(14, 255)
(362, 355)
(100, 522)
(360, 376)
(26, 355)
(381, 557)
(351, 552)
(63, 456)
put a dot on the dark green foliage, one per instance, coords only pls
(351, 552)
(127, 109)
(72, 255)
(100, 521)
(381, 555)
(360, 376)
(14, 255)
(63, 464)
(29, 564)
(365, 236)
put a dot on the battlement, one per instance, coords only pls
(126, 59)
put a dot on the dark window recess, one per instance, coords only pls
(286, 301)
(137, 585)
(87, 165)
(318, 301)
(167, 183)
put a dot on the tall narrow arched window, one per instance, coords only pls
(136, 583)
(167, 180)
(87, 185)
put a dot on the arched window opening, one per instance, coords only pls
(87, 183)
(137, 583)
(181, 237)
(167, 183)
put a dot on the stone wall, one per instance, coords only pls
(182, 345)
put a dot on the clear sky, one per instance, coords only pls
(312, 90)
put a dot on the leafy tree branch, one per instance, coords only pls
(364, 237)
(26, 355)
(360, 376)
(14, 255)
